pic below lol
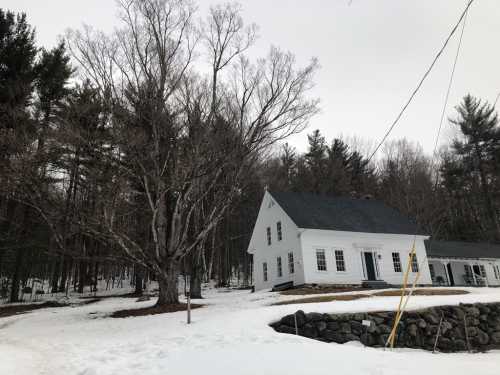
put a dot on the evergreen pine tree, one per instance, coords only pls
(478, 123)
(315, 159)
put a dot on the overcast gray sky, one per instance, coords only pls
(372, 54)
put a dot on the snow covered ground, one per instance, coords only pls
(229, 335)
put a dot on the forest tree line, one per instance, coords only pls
(453, 195)
(119, 157)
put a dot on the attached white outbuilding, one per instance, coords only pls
(312, 239)
(464, 263)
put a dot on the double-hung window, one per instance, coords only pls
(264, 271)
(496, 271)
(268, 232)
(279, 267)
(321, 260)
(414, 263)
(278, 230)
(396, 261)
(482, 270)
(291, 264)
(339, 260)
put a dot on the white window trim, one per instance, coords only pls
(292, 263)
(269, 236)
(324, 250)
(279, 267)
(394, 264)
(375, 253)
(496, 271)
(335, 259)
(377, 268)
(414, 258)
(363, 265)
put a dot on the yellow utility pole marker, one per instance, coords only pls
(403, 289)
(414, 285)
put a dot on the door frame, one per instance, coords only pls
(375, 263)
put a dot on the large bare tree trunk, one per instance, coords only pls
(168, 285)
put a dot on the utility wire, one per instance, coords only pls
(450, 84)
(421, 81)
(496, 100)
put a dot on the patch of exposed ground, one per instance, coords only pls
(25, 308)
(319, 289)
(422, 292)
(153, 310)
(385, 293)
(124, 295)
(342, 297)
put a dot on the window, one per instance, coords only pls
(291, 265)
(279, 267)
(433, 273)
(396, 261)
(321, 260)
(268, 230)
(469, 278)
(414, 263)
(339, 260)
(482, 270)
(496, 271)
(278, 229)
(468, 271)
(264, 270)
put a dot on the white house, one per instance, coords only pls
(312, 239)
(464, 263)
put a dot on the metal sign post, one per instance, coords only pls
(188, 294)
(188, 297)
(366, 323)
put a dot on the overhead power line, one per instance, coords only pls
(398, 117)
(496, 100)
(449, 85)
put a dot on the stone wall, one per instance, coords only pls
(417, 329)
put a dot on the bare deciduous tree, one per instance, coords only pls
(184, 142)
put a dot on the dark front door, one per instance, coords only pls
(370, 266)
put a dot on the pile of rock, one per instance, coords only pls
(464, 327)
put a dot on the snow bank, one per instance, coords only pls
(228, 336)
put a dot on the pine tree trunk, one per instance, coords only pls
(66, 269)
(96, 276)
(20, 255)
(16, 276)
(138, 281)
(167, 283)
(81, 276)
(490, 208)
(55, 276)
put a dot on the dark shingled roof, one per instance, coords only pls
(314, 211)
(456, 249)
